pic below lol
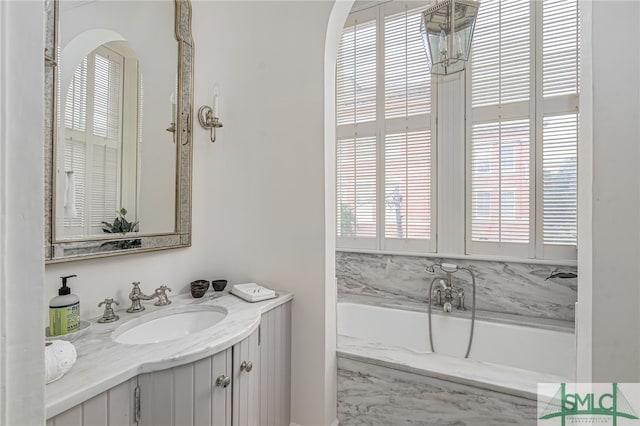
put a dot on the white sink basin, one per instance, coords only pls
(168, 324)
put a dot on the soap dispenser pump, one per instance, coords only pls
(64, 311)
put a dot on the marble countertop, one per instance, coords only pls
(103, 364)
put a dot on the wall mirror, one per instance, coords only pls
(118, 149)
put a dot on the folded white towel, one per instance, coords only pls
(59, 357)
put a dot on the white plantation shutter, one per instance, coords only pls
(407, 80)
(356, 151)
(383, 107)
(523, 129)
(356, 187)
(560, 179)
(407, 142)
(501, 65)
(104, 186)
(75, 124)
(107, 103)
(500, 182)
(408, 185)
(75, 110)
(560, 47)
(561, 30)
(356, 74)
(74, 161)
(500, 139)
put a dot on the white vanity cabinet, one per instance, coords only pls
(114, 407)
(275, 367)
(264, 393)
(258, 391)
(189, 394)
(246, 381)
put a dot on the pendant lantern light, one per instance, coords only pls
(447, 31)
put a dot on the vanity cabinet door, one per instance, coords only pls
(246, 381)
(275, 366)
(188, 394)
(114, 407)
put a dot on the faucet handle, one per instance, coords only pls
(109, 315)
(108, 302)
(161, 294)
(136, 289)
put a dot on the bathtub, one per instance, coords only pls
(387, 373)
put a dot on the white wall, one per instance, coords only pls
(584, 323)
(21, 218)
(265, 203)
(258, 193)
(616, 191)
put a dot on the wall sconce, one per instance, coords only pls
(447, 31)
(173, 128)
(209, 118)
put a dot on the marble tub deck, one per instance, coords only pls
(374, 395)
(103, 364)
(386, 385)
(483, 375)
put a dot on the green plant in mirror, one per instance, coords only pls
(120, 224)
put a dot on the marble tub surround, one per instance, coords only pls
(500, 317)
(511, 288)
(376, 395)
(102, 363)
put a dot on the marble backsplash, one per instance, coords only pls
(502, 287)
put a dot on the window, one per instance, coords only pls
(508, 134)
(523, 106)
(508, 204)
(384, 138)
(508, 158)
(92, 143)
(483, 204)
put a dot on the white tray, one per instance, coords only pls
(253, 292)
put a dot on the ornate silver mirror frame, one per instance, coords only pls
(67, 250)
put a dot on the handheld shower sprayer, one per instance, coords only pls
(449, 268)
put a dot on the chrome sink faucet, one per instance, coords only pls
(137, 295)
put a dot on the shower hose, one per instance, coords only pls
(473, 309)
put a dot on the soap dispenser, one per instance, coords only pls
(64, 311)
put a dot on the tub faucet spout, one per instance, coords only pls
(439, 292)
(444, 292)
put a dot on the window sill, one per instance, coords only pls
(553, 262)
